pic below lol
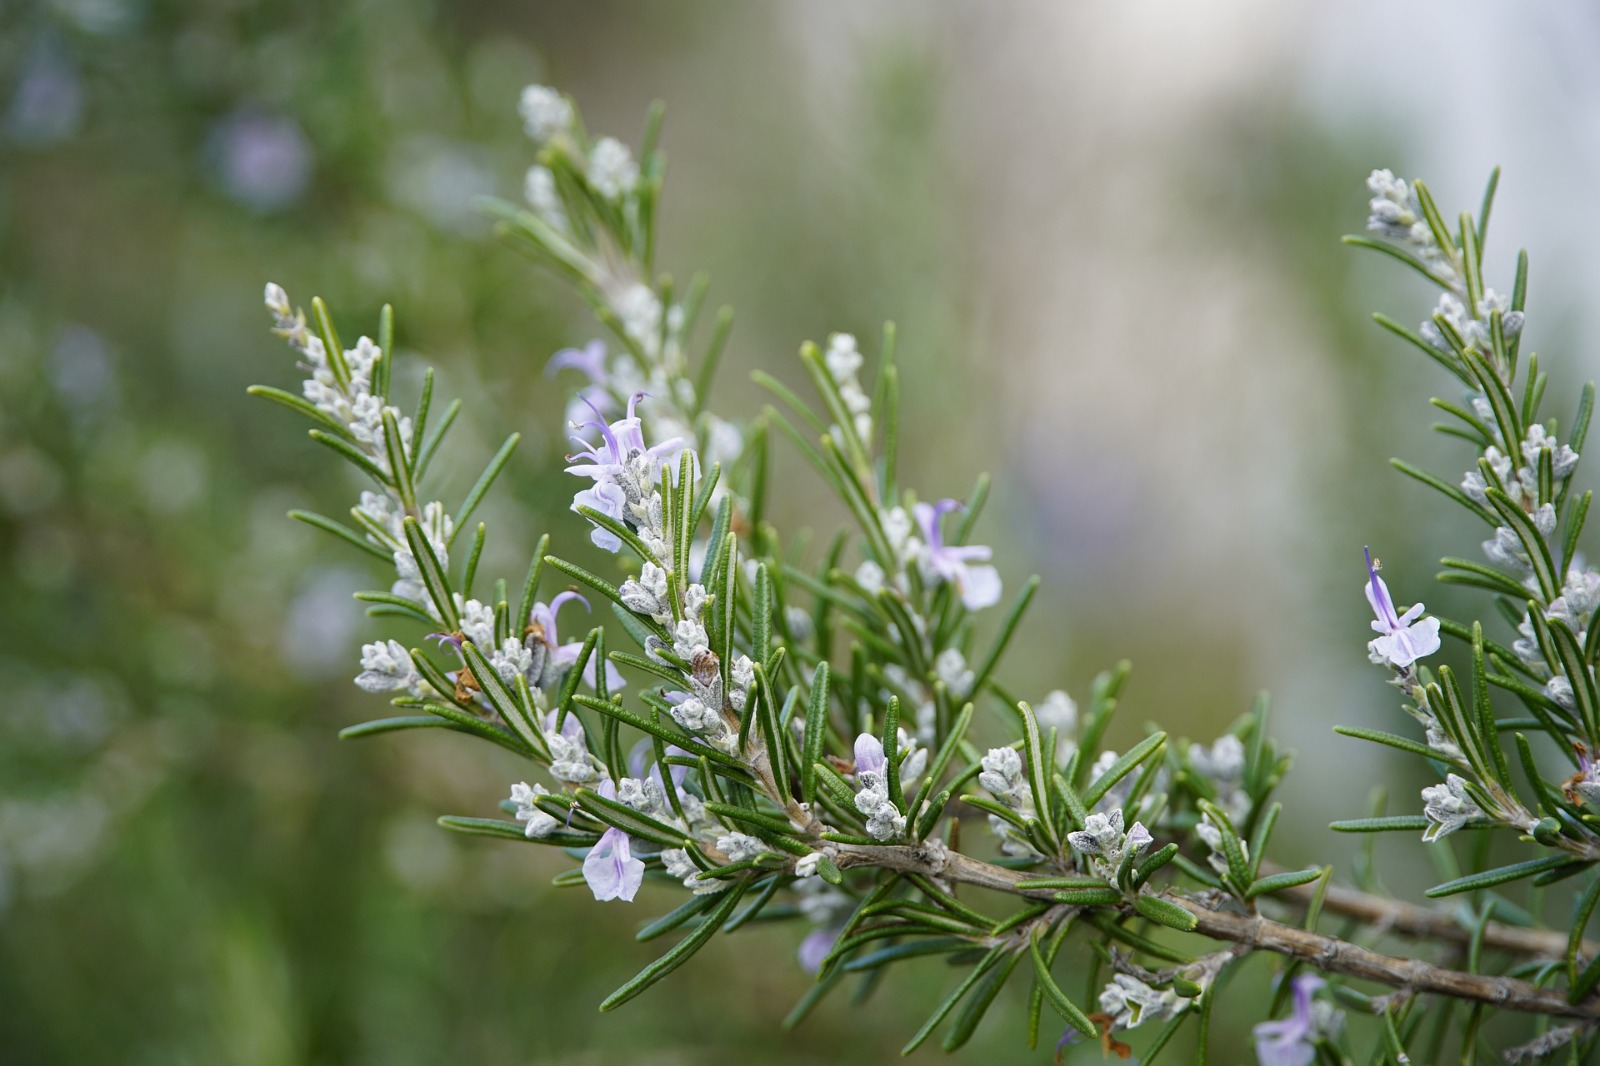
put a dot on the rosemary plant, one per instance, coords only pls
(782, 737)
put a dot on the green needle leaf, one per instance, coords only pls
(681, 952)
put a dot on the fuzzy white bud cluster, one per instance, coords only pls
(540, 822)
(884, 820)
(1002, 775)
(539, 189)
(740, 847)
(1130, 1002)
(1105, 844)
(545, 112)
(843, 361)
(1223, 765)
(677, 863)
(1448, 807)
(1211, 833)
(387, 667)
(1058, 711)
(612, 171)
(1396, 213)
(570, 760)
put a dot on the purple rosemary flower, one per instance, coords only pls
(610, 868)
(1292, 1040)
(978, 586)
(623, 469)
(621, 442)
(1403, 638)
(542, 619)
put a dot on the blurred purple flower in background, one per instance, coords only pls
(47, 104)
(1291, 1041)
(261, 161)
(816, 947)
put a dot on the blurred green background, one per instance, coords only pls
(1109, 238)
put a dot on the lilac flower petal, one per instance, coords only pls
(1283, 1044)
(1404, 639)
(869, 754)
(610, 869)
(678, 773)
(815, 947)
(928, 520)
(609, 499)
(614, 678)
(590, 360)
(556, 603)
(1305, 986)
(1290, 1041)
(639, 757)
(543, 615)
(1378, 596)
(980, 587)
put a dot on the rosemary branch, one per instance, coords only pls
(1410, 920)
(1327, 953)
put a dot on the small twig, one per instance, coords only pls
(1425, 923)
(1353, 960)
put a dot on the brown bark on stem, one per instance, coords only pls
(1221, 923)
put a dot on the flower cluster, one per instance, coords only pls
(884, 820)
(1129, 1002)
(386, 666)
(843, 361)
(341, 387)
(1448, 807)
(1470, 329)
(1540, 452)
(1002, 775)
(1210, 832)
(1059, 711)
(709, 706)
(546, 114)
(1106, 845)
(1222, 764)
(525, 803)
(624, 470)
(1396, 213)
(1574, 609)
